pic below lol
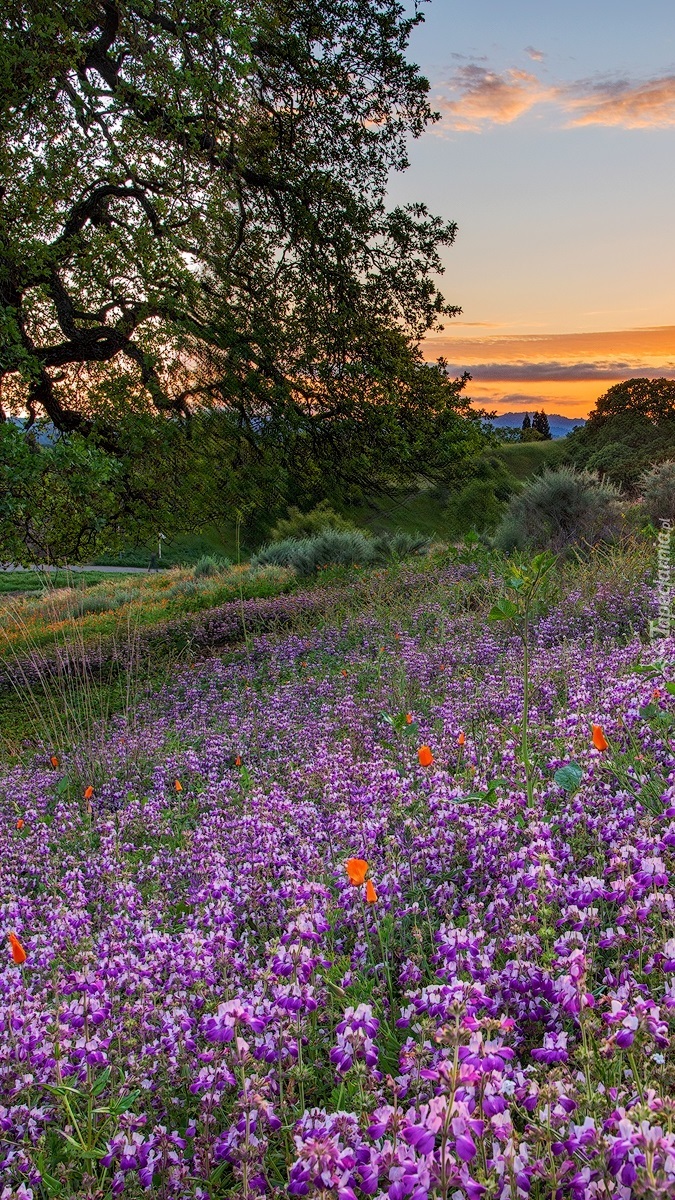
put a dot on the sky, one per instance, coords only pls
(555, 154)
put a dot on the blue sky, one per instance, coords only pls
(556, 156)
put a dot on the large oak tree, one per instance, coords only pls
(192, 199)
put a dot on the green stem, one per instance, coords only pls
(526, 711)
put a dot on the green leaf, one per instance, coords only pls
(101, 1082)
(569, 776)
(125, 1102)
(385, 717)
(649, 711)
(52, 1185)
(81, 1151)
(670, 688)
(505, 610)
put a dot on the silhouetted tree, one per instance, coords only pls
(540, 423)
(527, 424)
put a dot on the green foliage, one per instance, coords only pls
(479, 504)
(540, 425)
(531, 458)
(658, 491)
(39, 581)
(305, 555)
(56, 502)
(339, 547)
(254, 271)
(531, 435)
(527, 594)
(306, 524)
(631, 427)
(569, 777)
(207, 566)
(561, 509)
(400, 544)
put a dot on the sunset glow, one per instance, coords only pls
(564, 373)
(553, 152)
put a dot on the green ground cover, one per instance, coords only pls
(527, 458)
(12, 582)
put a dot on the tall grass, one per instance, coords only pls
(72, 704)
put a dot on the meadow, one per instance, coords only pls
(303, 920)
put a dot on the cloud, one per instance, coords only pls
(537, 55)
(526, 398)
(485, 97)
(550, 372)
(646, 105)
(479, 97)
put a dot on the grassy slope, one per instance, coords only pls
(526, 458)
(412, 512)
(34, 581)
(182, 549)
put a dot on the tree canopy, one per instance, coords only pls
(192, 210)
(631, 427)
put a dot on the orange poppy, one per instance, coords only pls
(18, 952)
(178, 787)
(371, 894)
(461, 738)
(356, 869)
(656, 694)
(20, 823)
(599, 740)
(408, 718)
(88, 792)
(237, 761)
(344, 673)
(425, 756)
(54, 760)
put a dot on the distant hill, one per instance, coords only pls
(559, 426)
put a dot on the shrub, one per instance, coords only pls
(303, 525)
(400, 545)
(207, 565)
(558, 509)
(480, 503)
(304, 555)
(657, 487)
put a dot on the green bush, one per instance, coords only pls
(304, 555)
(339, 547)
(559, 509)
(480, 503)
(304, 525)
(208, 566)
(657, 488)
(400, 545)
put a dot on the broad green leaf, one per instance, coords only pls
(569, 776)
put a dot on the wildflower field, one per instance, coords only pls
(312, 924)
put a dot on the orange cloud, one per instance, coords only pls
(562, 372)
(487, 97)
(645, 105)
(480, 97)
